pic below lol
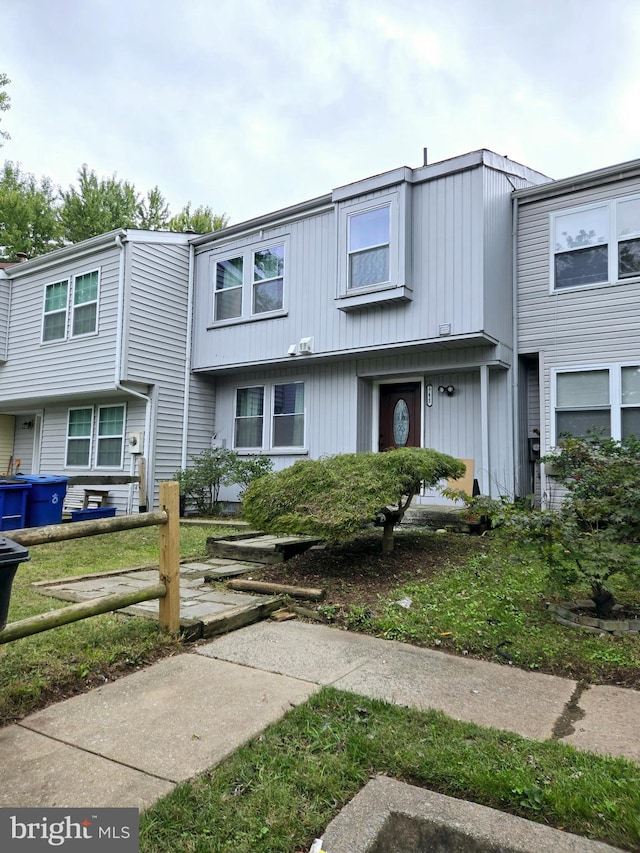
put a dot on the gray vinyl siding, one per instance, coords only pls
(74, 366)
(155, 345)
(53, 446)
(588, 326)
(459, 250)
(5, 298)
(23, 443)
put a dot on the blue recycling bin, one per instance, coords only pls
(47, 494)
(13, 504)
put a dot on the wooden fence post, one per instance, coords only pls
(169, 539)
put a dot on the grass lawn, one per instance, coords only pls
(281, 790)
(47, 667)
(468, 595)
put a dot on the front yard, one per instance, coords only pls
(463, 594)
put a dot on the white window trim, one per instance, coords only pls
(288, 448)
(68, 437)
(123, 406)
(267, 446)
(46, 313)
(72, 306)
(247, 254)
(398, 288)
(94, 438)
(612, 244)
(260, 447)
(615, 394)
(69, 310)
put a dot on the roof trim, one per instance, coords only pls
(609, 174)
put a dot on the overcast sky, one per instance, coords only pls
(251, 105)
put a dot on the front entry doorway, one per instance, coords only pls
(400, 424)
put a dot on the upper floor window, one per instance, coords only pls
(71, 307)
(374, 249)
(603, 401)
(369, 238)
(249, 283)
(596, 244)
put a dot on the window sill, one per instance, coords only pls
(239, 321)
(366, 297)
(621, 282)
(274, 451)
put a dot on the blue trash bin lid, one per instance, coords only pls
(43, 478)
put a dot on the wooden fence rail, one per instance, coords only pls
(167, 590)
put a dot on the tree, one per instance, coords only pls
(97, 206)
(28, 213)
(153, 211)
(5, 103)
(336, 497)
(202, 220)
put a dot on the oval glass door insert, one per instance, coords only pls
(400, 423)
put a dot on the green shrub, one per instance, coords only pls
(200, 483)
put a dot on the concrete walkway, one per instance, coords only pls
(128, 743)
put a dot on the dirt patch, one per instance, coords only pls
(358, 574)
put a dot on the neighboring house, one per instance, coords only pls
(379, 315)
(578, 281)
(93, 357)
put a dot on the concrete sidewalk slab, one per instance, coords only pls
(611, 722)
(174, 719)
(40, 772)
(489, 694)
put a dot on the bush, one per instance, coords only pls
(200, 484)
(335, 497)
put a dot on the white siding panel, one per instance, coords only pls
(5, 293)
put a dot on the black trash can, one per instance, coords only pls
(11, 555)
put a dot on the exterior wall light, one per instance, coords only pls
(449, 390)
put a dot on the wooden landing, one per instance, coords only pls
(259, 548)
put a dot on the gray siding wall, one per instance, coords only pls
(585, 326)
(449, 240)
(5, 293)
(202, 414)
(54, 431)
(155, 343)
(77, 365)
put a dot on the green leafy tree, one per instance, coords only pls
(202, 220)
(201, 482)
(153, 211)
(336, 497)
(98, 205)
(28, 213)
(5, 103)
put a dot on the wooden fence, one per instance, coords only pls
(167, 590)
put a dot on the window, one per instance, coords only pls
(85, 304)
(249, 285)
(582, 403)
(288, 415)
(110, 437)
(603, 401)
(71, 308)
(228, 295)
(281, 405)
(597, 244)
(369, 237)
(268, 276)
(374, 248)
(79, 431)
(54, 325)
(249, 417)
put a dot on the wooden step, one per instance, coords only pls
(259, 549)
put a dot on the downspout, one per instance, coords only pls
(118, 372)
(187, 360)
(515, 367)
